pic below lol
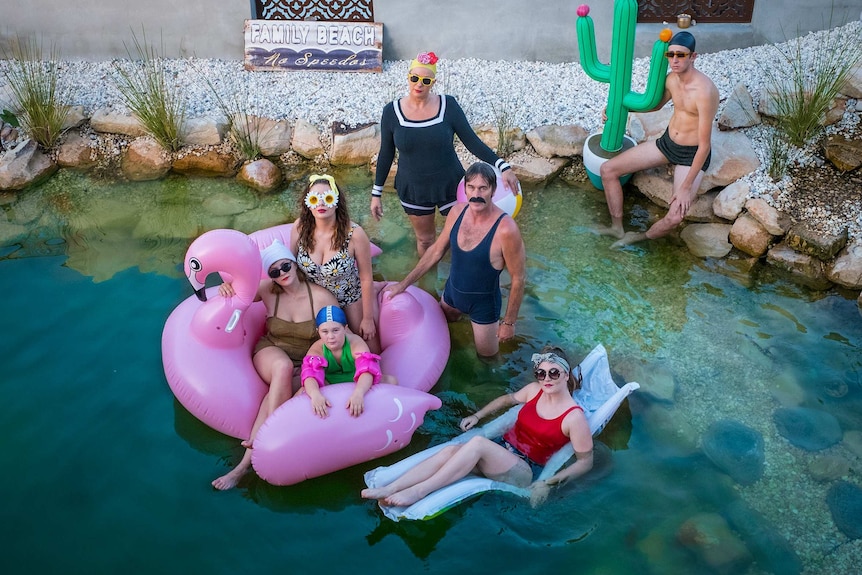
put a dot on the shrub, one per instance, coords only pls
(504, 123)
(808, 81)
(779, 155)
(245, 130)
(154, 100)
(33, 82)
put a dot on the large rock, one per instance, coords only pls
(670, 428)
(772, 551)
(271, 136)
(655, 378)
(845, 503)
(749, 236)
(76, 152)
(853, 442)
(710, 538)
(207, 163)
(846, 270)
(701, 209)
(818, 244)
(11, 233)
(825, 468)
(539, 171)
(736, 449)
(262, 175)
(491, 136)
(852, 87)
(145, 159)
(657, 185)
(733, 156)
(274, 137)
(803, 268)
(809, 429)
(649, 125)
(707, 240)
(770, 98)
(731, 200)
(109, 121)
(846, 155)
(558, 141)
(203, 131)
(354, 147)
(775, 222)
(75, 117)
(306, 140)
(739, 111)
(24, 165)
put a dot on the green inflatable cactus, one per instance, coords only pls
(618, 74)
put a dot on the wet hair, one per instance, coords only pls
(484, 171)
(573, 383)
(682, 38)
(307, 223)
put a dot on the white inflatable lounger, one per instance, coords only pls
(599, 397)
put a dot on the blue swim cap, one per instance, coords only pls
(684, 39)
(330, 313)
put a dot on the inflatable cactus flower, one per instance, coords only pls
(618, 74)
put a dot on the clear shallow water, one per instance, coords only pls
(104, 471)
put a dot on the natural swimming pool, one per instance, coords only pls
(105, 472)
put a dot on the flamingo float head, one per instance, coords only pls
(233, 254)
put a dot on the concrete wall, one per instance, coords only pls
(541, 30)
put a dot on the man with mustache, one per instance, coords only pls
(484, 240)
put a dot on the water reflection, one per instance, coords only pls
(708, 340)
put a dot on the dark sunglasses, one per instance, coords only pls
(424, 79)
(680, 55)
(284, 268)
(553, 373)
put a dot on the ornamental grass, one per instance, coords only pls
(245, 130)
(37, 99)
(805, 85)
(152, 96)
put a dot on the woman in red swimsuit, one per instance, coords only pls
(549, 419)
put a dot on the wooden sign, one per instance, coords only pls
(313, 45)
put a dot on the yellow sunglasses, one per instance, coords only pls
(413, 78)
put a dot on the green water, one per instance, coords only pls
(104, 472)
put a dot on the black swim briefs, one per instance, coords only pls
(677, 154)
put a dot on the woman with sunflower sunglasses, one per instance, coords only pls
(549, 419)
(335, 252)
(421, 126)
(292, 303)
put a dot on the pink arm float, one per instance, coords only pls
(312, 366)
(367, 362)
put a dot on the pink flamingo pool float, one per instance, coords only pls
(206, 351)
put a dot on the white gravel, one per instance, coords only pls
(532, 93)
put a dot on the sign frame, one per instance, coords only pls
(329, 46)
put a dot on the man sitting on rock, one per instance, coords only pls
(685, 143)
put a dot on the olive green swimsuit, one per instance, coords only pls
(292, 337)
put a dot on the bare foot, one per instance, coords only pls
(404, 498)
(629, 238)
(377, 492)
(230, 479)
(611, 231)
